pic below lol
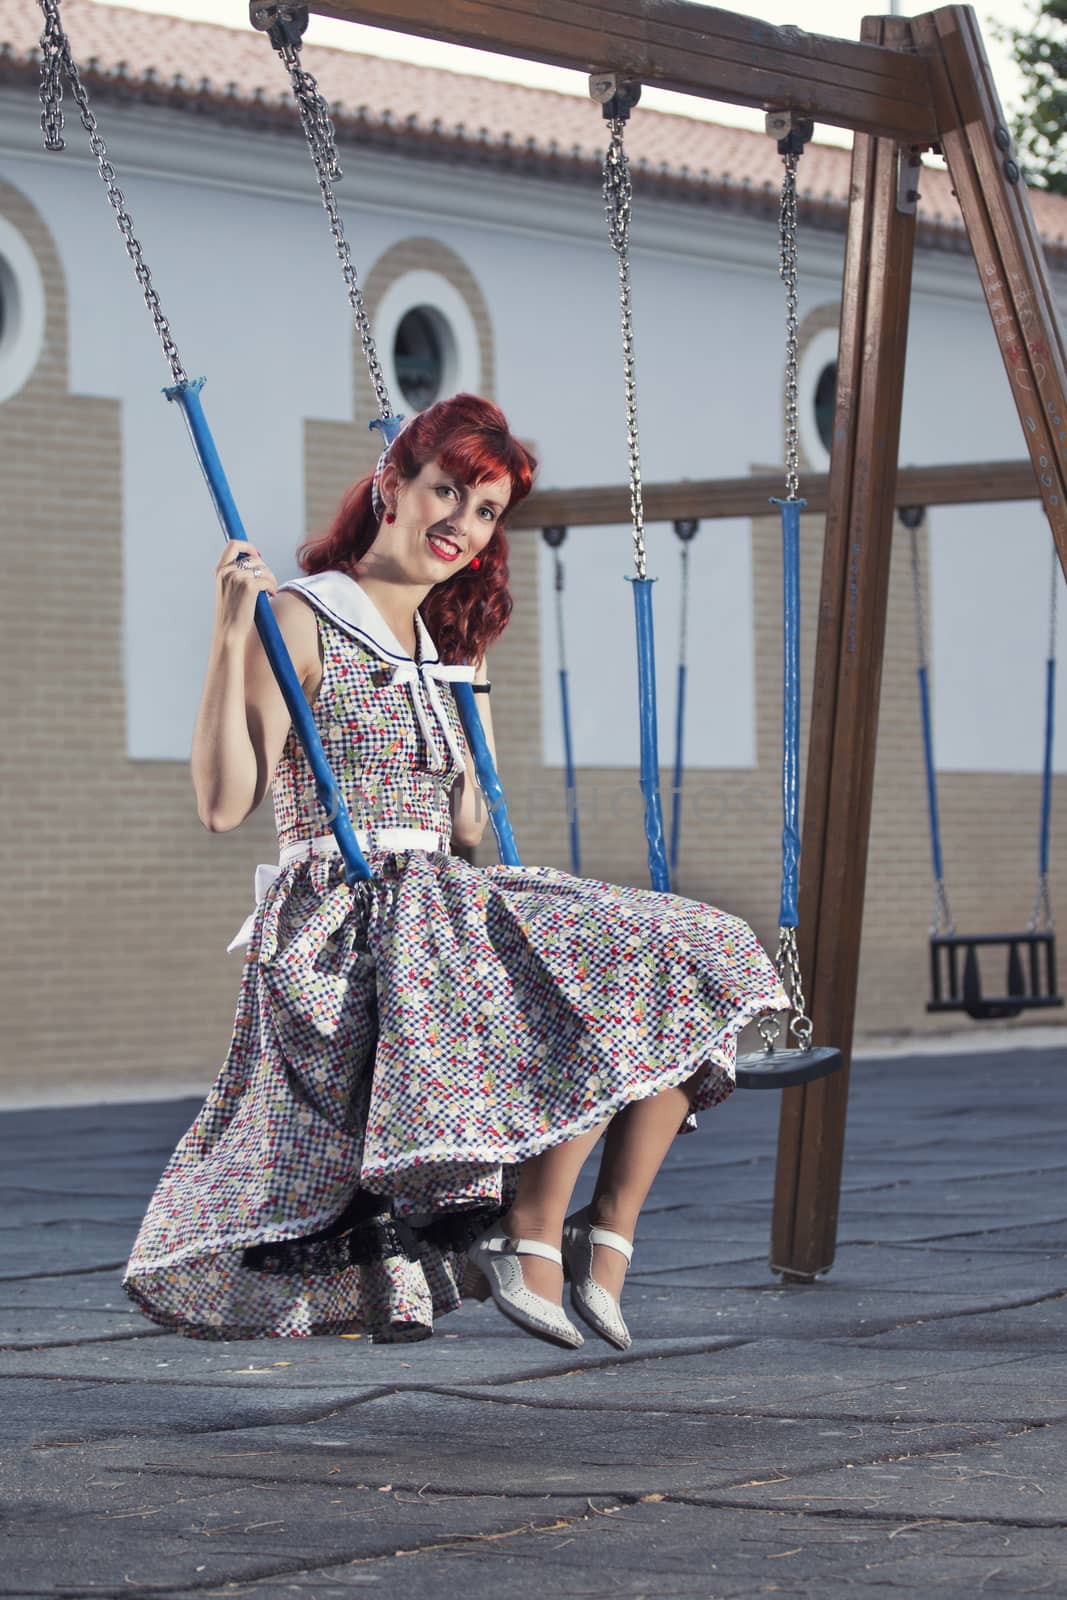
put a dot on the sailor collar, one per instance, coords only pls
(340, 598)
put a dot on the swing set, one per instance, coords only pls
(1029, 985)
(907, 85)
(956, 959)
(773, 1067)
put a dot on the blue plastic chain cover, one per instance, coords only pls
(790, 512)
(679, 765)
(932, 809)
(1046, 768)
(572, 787)
(485, 770)
(187, 395)
(388, 427)
(659, 872)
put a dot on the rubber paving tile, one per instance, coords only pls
(151, 1533)
(660, 1550)
(801, 1379)
(461, 1443)
(865, 1268)
(1016, 1479)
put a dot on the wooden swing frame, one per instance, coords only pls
(908, 85)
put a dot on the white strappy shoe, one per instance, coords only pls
(590, 1299)
(496, 1257)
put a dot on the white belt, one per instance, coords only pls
(326, 845)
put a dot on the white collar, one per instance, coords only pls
(340, 598)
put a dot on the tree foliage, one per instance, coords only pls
(1041, 124)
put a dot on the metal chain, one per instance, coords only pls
(56, 61)
(1041, 919)
(920, 609)
(561, 645)
(787, 965)
(1053, 594)
(788, 272)
(683, 621)
(52, 48)
(618, 194)
(787, 956)
(314, 114)
(787, 961)
(941, 912)
(322, 143)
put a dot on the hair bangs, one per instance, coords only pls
(485, 457)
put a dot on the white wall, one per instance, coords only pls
(233, 230)
(990, 569)
(990, 565)
(599, 634)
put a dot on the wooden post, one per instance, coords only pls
(1007, 250)
(848, 666)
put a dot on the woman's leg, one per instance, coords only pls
(638, 1138)
(546, 1183)
(637, 1141)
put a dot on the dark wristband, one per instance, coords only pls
(481, 688)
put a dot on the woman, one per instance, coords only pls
(420, 1067)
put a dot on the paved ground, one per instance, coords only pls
(899, 1428)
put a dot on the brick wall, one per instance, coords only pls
(112, 962)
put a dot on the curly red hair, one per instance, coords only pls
(470, 437)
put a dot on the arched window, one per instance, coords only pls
(22, 311)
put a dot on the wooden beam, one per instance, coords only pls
(677, 45)
(1007, 250)
(848, 664)
(965, 483)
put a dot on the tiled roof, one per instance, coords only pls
(233, 74)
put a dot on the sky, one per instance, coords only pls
(836, 17)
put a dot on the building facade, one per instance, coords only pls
(486, 266)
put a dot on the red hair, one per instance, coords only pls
(471, 439)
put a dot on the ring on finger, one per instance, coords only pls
(242, 559)
(257, 572)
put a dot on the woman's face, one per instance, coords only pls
(441, 523)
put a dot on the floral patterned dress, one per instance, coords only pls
(399, 1048)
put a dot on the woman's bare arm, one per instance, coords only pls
(243, 720)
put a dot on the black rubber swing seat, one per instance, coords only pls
(956, 976)
(784, 1069)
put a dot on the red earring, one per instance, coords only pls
(476, 563)
(390, 516)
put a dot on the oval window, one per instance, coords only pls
(22, 311)
(825, 396)
(420, 355)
